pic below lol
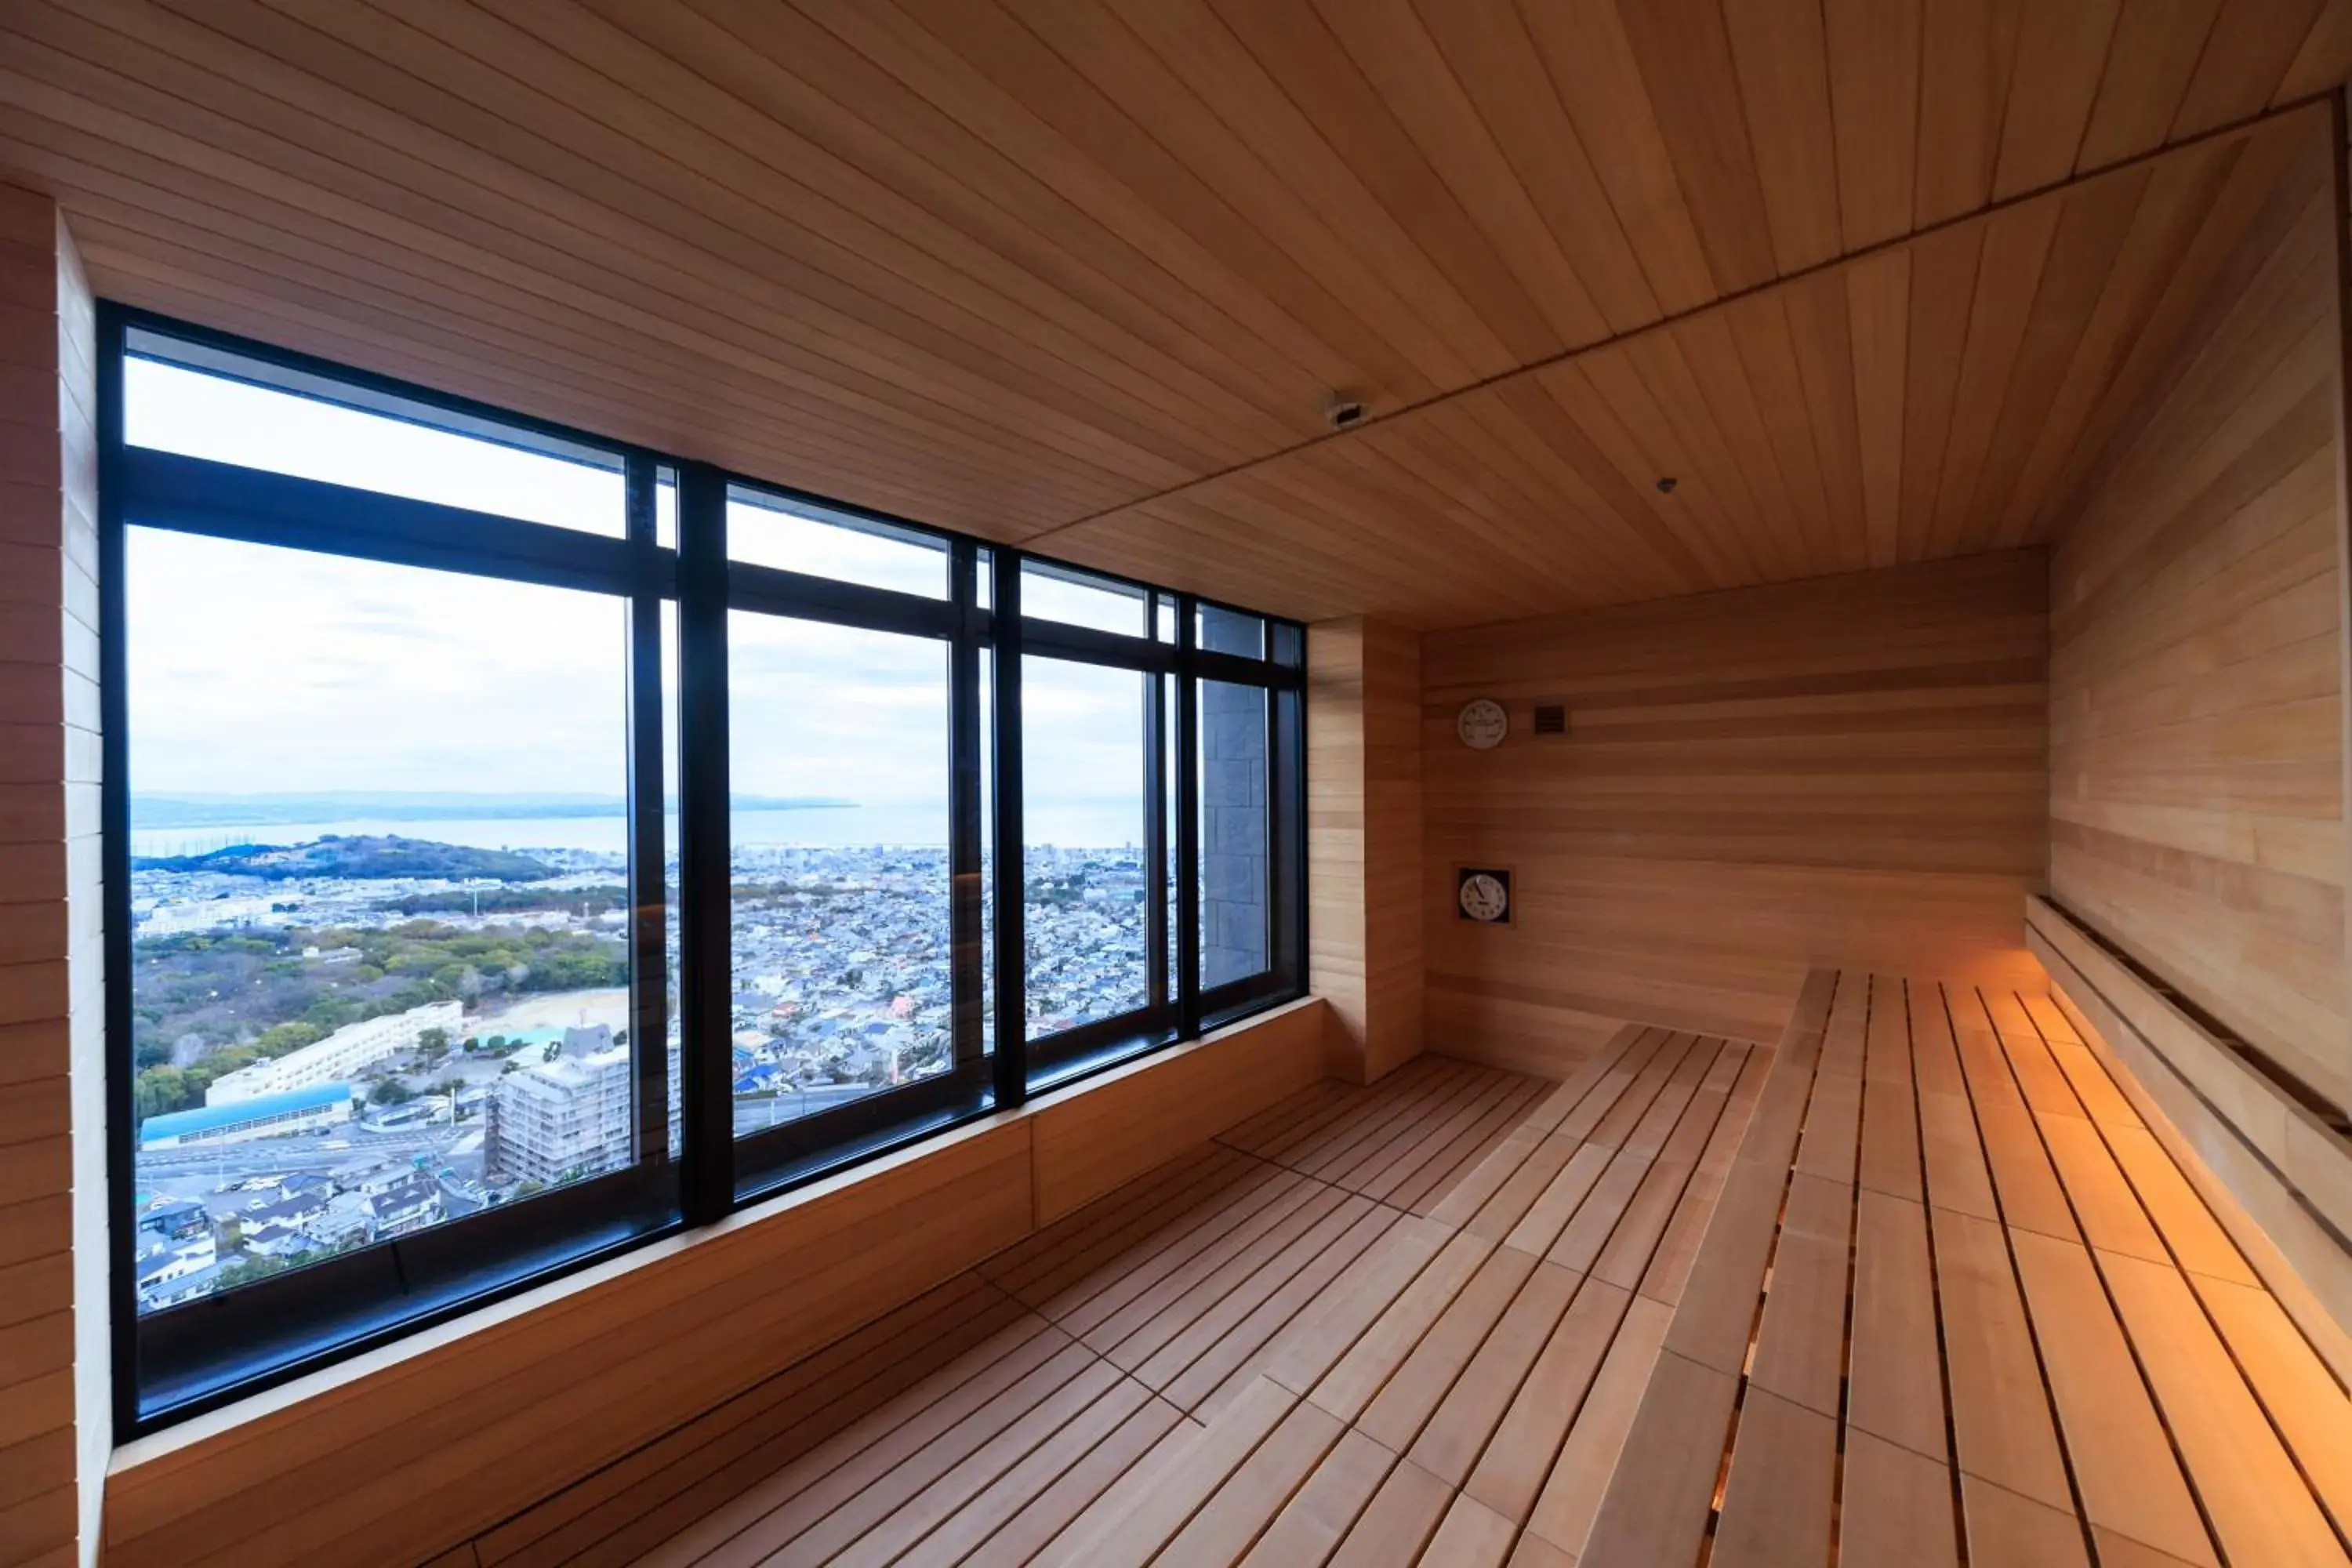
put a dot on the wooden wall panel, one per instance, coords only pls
(1089, 1139)
(1364, 841)
(394, 1456)
(2197, 694)
(1847, 772)
(54, 1411)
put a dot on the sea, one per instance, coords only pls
(1080, 824)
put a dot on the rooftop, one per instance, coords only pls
(238, 1113)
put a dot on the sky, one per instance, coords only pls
(259, 671)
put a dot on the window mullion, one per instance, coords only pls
(1011, 943)
(1155, 837)
(965, 827)
(706, 892)
(648, 891)
(1188, 822)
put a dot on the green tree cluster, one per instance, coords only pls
(250, 998)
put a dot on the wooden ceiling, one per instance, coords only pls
(1943, 397)
(1083, 273)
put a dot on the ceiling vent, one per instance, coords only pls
(1552, 719)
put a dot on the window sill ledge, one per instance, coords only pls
(1073, 1144)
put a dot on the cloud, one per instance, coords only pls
(259, 671)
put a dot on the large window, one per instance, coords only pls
(379, 888)
(521, 845)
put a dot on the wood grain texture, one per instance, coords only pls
(1091, 1138)
(1931, 398)
(1364, 917)
(486, 1414)
(2279, 1179)
(55, 1413)
(2076, 1378)
(1753, 784)
(1918, 1383)
(2197, 718)
(1237, 1358)
(1029, 266)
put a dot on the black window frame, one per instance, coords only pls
(183, 1360)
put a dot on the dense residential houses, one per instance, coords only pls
(186, 1248)
(841, 988)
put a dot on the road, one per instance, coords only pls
(759, 1115)
(308, 1153)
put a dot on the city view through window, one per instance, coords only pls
(380, 949)
(380, 901)
(1083, 908)
(842, 979)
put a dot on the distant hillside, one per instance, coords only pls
(356, 857)
(406, 806)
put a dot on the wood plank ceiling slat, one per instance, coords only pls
(1871, 283)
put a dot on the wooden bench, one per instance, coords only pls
(1912, 1281)
(1951, 1293)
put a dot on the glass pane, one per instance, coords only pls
(672, 860)
(312, 429)
(380, 970)
(1171, 811)
(838, 742)
(666, 508)
(987, 848)
(765, 530)
(1082, 806)
(1230, 631)
(1073, 598)
(1234, 850)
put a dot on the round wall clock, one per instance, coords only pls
(1485, 897)
(1482, 724)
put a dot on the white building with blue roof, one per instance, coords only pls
(263, 1116)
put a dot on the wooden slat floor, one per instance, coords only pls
(976, 1423)
(1915, 1287)
(1955, 1304)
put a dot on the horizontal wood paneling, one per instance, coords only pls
(84, 884)
(2196, 714)
(394, 1456)
(1090, 1138)
(54, 1411)
(1849, 771)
